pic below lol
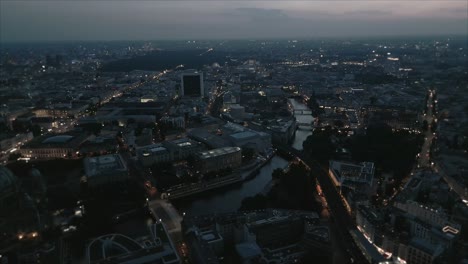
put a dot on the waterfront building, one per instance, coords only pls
(217, 159)
(243, 137)
(182, 148)
(168, 151)
(282, 131)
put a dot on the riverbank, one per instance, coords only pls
(243, 174)
(229, 198)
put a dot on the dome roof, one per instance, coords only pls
(35, 173)
(8, 181)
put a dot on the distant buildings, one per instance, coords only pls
(267, 236)
(62, 111)
(191, 85)
(394, 118)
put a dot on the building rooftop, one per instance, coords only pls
(243, 135)
(70, 140)
(248, 250)
(118, 248)
(346, 171)
(60, 139)
(218, 152)
(210, 235)
(104, 165)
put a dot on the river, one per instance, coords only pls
(229, 198)
(304, 131)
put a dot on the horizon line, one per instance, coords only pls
(244, 38)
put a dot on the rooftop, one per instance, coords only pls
(248, 250)
(118, 248)
(218, 152)
(346, 171)
(104, 165)
(243, 135)
(60, 139)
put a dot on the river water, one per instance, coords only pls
(229, 198)
(304, 131)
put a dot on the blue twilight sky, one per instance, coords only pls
(36, 20)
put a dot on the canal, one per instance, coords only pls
(229, 198)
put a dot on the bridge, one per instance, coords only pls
(305, 128)
(304, 124)
(343, 221)
(303, 112)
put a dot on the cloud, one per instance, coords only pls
(368, 13)
(456, 11)
(261, 14)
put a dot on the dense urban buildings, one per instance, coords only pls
(344, 150)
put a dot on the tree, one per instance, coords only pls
(131, 121)
(338, 123)
(36, 130)
(319, 146)
(94, 128)
(256, 202)
(4, 128)
(392, 151)
(191, 161)
(14, 156)
(277, 174)
(115, 123)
